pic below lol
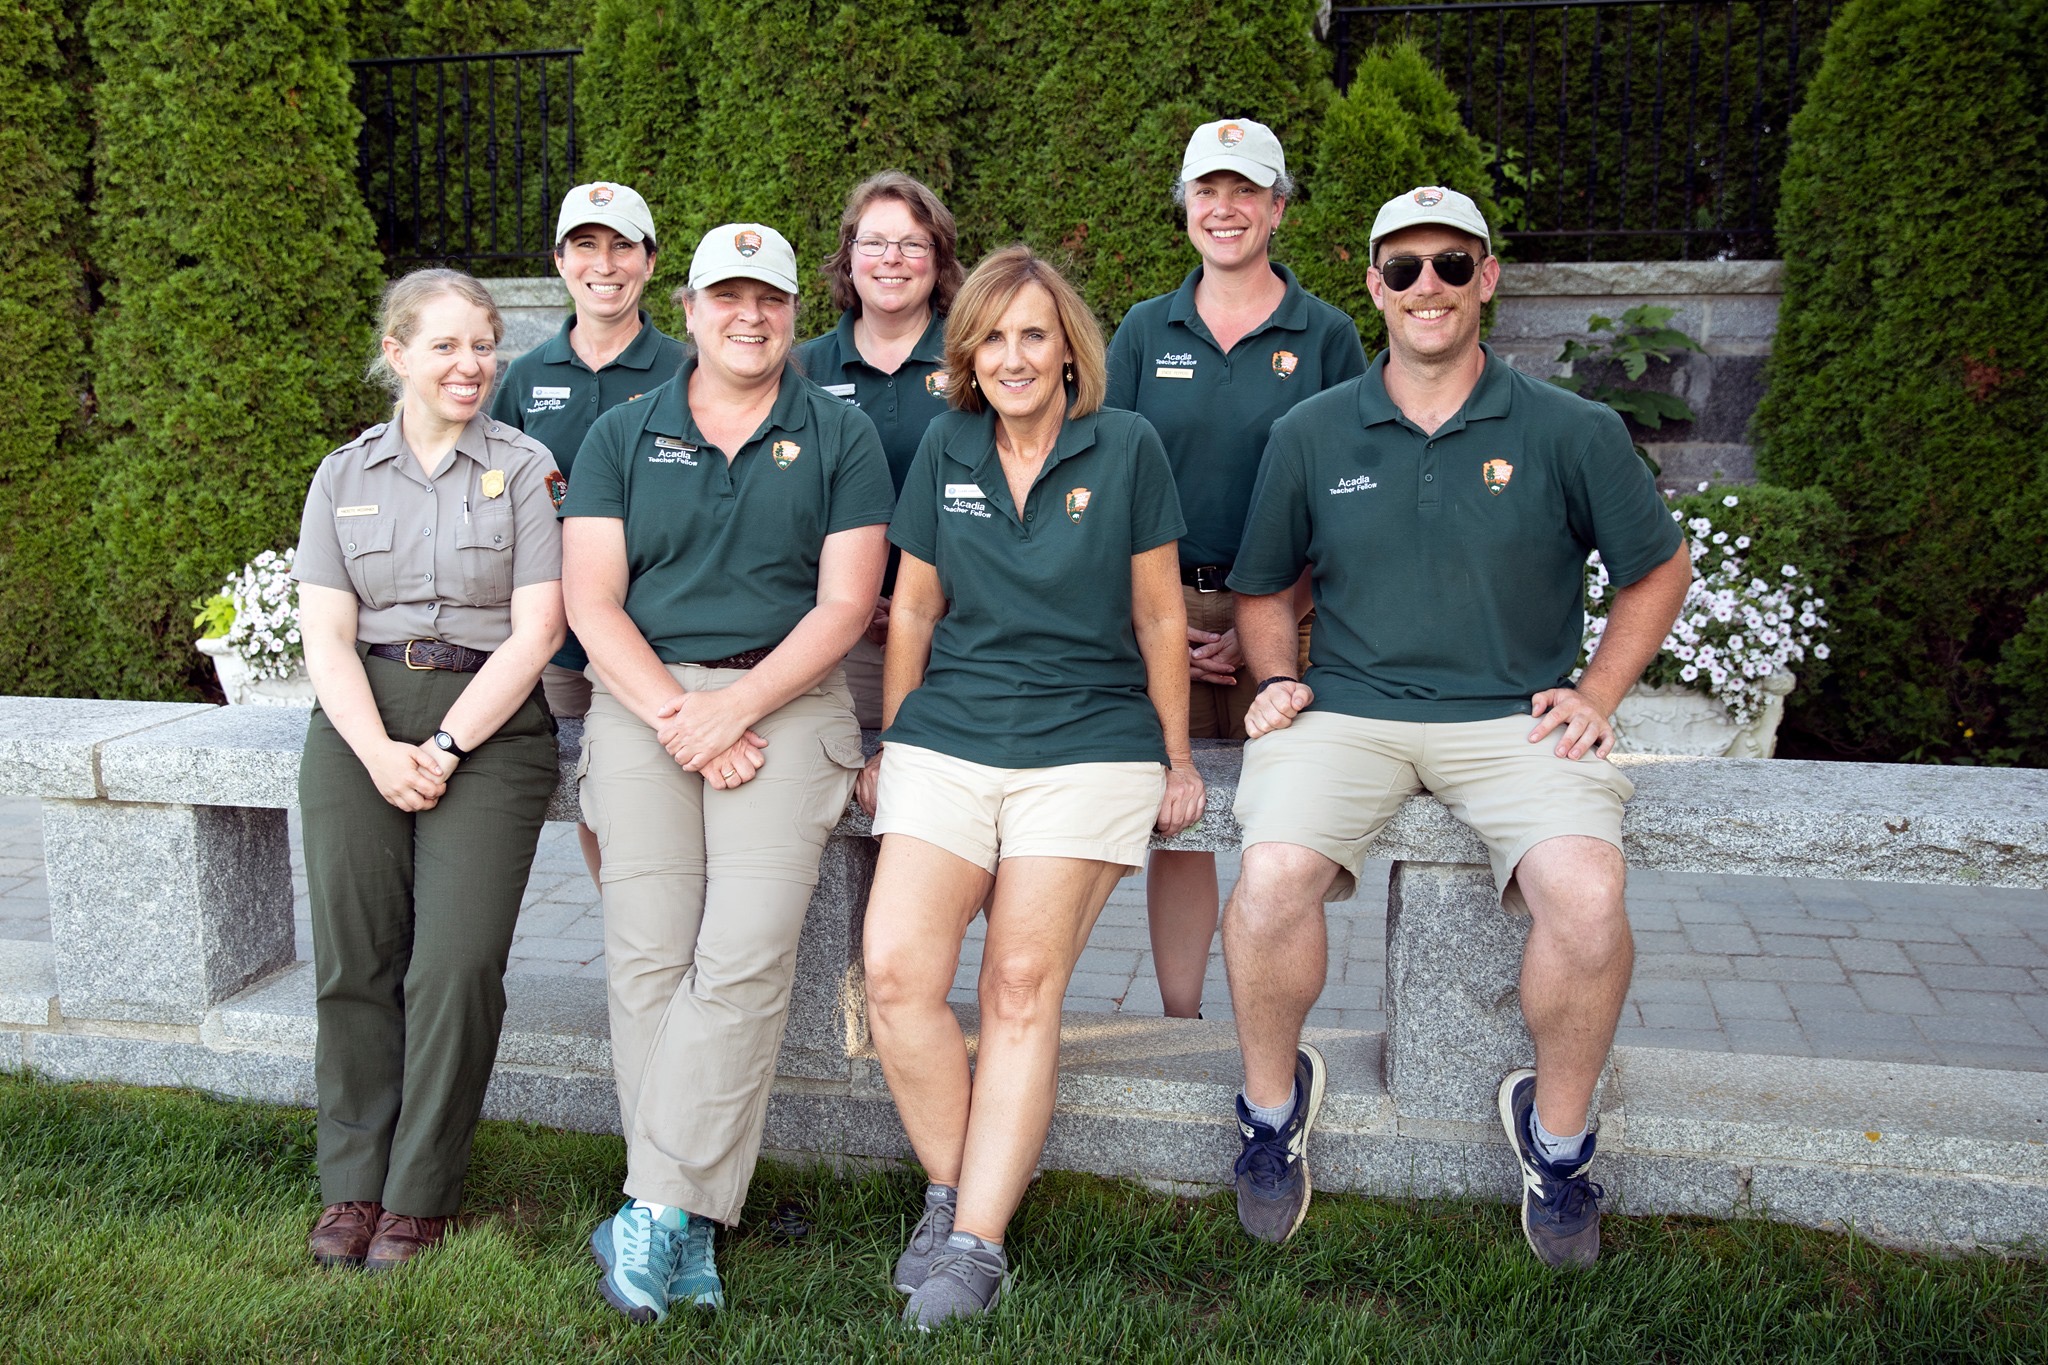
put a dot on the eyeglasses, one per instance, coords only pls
(913, 248)
(1454, 268)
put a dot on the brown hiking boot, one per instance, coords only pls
(342, 1236)
(400, 1237)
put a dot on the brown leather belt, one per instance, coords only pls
(423, 655)
(746, 658)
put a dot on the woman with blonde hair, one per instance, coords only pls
(1035, 690)
(429, 568)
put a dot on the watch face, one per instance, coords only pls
(444, 739)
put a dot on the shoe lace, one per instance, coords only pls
(696, 1256)
(656, 1243)
(1264, 1159)
(1576, 1192)
(928, 1234)
(972, 1267)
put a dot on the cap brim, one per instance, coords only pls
(765, 274)
(618, 222)
(1258, 173)
(1372, 246)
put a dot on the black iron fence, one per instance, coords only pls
(1618, 129)
(463, 159)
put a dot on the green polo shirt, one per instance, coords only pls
(1214, 410)
(1449, 569)
(723, 558)
(1036, 662)
(552, 396)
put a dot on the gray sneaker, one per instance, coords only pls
(927, 1239)
(967, 1279)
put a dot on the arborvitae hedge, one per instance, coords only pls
(1081, 124)
(45, 465)
(240, 283)
(1395, 128)
(772, 113)
(1909, 376)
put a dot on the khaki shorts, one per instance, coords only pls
(568, 692)
(1218, 712)
(1329, 782)
(863, 667)
(1103, 812)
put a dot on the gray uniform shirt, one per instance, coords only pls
(432, 558)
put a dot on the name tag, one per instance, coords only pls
(964, 490)
(1173, 372)
(840, 391)
(671, 443)
(369, 510)
(550, 391)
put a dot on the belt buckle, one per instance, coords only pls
(417, 668)
(1208, 578)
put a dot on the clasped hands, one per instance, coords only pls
(412, 777)
(708, 733)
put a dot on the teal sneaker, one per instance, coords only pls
(695, 1277)
(638, 1256)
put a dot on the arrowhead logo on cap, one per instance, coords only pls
(600, 195)
(1429, 196)
(1230, 135)
(747, 242)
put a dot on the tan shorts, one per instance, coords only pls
(1103, 812)
(863, 665)
(568, 692)
(1329, 782)
(1218, 712)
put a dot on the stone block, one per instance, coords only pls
(157, 912)
(1653, 279)
(581, 1101)
(533, 310)
(223, 756)
(49, 746)
(1454, 1018)
(28, 984)
(254, 1074)
(828, 1006)
(1737, 317)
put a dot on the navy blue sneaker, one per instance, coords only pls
(1272, 1170)
(1560, 1207)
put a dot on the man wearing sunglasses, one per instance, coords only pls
(1444, 505)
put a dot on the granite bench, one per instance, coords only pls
(171, 962)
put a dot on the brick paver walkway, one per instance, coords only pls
(1865, 970)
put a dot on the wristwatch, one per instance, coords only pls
(1265, 683)
(447, 744)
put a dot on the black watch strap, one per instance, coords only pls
(448, 744)
(1265, 683)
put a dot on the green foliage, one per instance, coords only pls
(240, 279)
(758, 111)
(45, 460)
(1395, 128)
(1909, 376)
(1079, 130)
(1641, 337)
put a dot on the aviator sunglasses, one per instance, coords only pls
(1454, 268)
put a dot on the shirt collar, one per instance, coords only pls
(639, 354)
(974, 444)
(671, 414)
(930, 347)
(1290, 316)
(390, 443)
(1491, 397)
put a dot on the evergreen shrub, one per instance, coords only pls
(1395, 128)
(1909, 376)
(240, 280)
(45, 464)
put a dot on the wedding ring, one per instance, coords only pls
(728, 774)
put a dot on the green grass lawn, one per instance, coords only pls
(160, 1225)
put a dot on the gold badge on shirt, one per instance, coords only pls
(493, 482)
(1496, 473)
(784, 453)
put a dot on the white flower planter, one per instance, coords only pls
(1678, 720)
(242, 690)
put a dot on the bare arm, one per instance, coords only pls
(327, 621)
(1160, 621)
(594, 581)
(914, 614)
(1637, 622)
(1268, 627)
(506, 681)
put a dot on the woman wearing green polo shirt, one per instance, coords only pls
(1036, 692)
(1212, 366)
(724, 544)
(893, 279)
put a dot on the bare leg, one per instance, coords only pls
(1039, 919)
(1180, 905)
(923, 900)
(1575, 971)
(1276, 948)
(587, 837)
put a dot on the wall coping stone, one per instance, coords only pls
(542, 291)
(1658, 278)
(49, 746)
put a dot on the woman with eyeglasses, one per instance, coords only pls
(1212, 366)
(893, 279)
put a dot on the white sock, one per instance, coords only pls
(665, 1214)
(1274, 1118)
(1558, 1151)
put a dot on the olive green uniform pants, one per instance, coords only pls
(704, 898)
(412, 923)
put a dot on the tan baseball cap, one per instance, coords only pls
(615, 206)
(1234, 144)
(1428, 204)
(744, 251)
